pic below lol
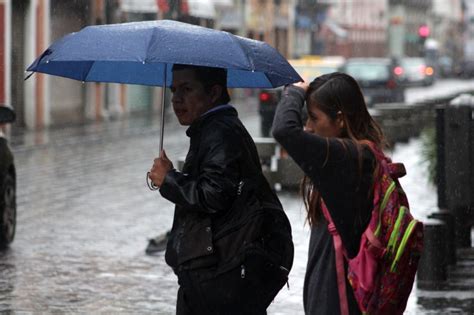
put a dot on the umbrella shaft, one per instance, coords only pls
(163, 97)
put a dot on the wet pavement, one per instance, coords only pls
(85, 215)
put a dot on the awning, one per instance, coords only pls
(223, 3)
(139, 6)
(202, 9)
(197, 8)
(281, 21)
(336, 28)
(230, 19)
(303, 22)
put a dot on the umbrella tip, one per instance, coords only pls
(28, 75)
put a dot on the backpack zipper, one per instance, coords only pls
(394, 236)
(403, 243)
(389, 191)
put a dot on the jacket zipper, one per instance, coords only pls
(242, 271)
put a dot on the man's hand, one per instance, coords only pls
(161, 166)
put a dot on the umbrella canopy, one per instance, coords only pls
(143, 52)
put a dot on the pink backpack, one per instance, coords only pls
(382, 273)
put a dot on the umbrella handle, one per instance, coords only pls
(151, 185)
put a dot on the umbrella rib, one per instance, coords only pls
(150, 41)
(249, 60)
(84, 79)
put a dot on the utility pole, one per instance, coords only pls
(269, 29)
(243, 18)
(291, 28)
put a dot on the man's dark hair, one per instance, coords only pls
(209, 77)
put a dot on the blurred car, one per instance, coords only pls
(467, 70)
(308, 67)
(378, 78)
(7, 183)
(311, 67)
(416, 71)
(445, 67)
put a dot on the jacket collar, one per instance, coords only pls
(197, 124)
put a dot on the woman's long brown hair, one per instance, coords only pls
(333, 93)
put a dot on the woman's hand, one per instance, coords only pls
(303, 85)
(161, 166)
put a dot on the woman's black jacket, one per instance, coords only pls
(342, 172)
(221, 155)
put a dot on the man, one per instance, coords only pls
(230, 244)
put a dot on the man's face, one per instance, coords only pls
(190, 100)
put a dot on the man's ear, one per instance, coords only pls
(215, 93)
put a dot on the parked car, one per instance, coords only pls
(467, 71)
(445, 67)
(308, 67)
(379, 79)
(7, 183)
(416, 71)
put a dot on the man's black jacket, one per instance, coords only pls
(221, 155)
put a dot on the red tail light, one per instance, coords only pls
(265, 97)
(398, 71)
(429, 71)
(391, 84)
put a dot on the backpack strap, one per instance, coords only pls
(395, 170)
(339, 253)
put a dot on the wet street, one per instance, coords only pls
(85, 216)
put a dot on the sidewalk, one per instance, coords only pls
(456, 296)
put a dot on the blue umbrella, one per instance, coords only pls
(139, 53)
(143, 53)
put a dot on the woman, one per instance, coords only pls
(332, 151)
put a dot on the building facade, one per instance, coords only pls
(448, 26)
(468, 48)
(406, 18)
(5, 56)
(359, 28)
(356, 28)
(45, 100)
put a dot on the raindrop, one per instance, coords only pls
(143, 62)
(47, 61)
(83, 82)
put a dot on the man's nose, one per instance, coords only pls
(175, 97)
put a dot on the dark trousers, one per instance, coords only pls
(183, 305)
(192, 299)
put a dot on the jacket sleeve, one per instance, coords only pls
(331, 164)
(310, 151)
(215, 187)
